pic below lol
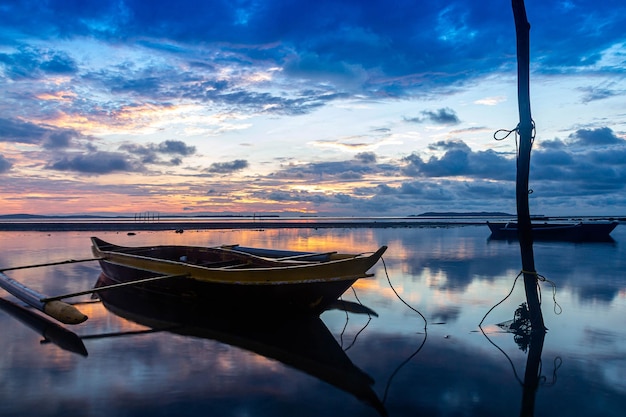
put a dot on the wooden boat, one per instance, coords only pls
(303, 343)
(579, 232)
(230, 279)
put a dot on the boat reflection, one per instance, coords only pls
(303, 343)
(48, 329)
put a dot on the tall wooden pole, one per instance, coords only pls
(525, 129)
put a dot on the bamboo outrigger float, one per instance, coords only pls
(57, 309)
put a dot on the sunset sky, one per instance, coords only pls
(338, 107)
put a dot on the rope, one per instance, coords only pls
(508, 133)
(501, 301)
(540, 278)
(556, 365)
(345, 326)
(346, 323)
(487, 337)
(519, 380)
(398, 295)
(557, 308)
(407, 360)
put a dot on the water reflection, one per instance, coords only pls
(48, 329)
(530, 342)
(303, 343)
(452, 275)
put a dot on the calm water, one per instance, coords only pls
(385, 363)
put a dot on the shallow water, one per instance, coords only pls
(452, 276)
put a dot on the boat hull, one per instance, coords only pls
(300, 298)
(266, 288)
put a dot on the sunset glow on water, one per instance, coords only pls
(453, 276)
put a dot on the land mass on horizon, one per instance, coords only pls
(26, 216)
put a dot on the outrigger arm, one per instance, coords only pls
(53, 306)
(63, 312)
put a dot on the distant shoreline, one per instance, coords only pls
(94, 224)
(114, 226)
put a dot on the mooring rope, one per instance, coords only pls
(501, 301)
(407, 360)
(398, 295)
(557, 307)
(345, 326)
(540, 278)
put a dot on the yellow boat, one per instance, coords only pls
(236, 278)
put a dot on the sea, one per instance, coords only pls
(438, 330)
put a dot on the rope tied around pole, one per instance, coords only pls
(557, 308)
(497, 135)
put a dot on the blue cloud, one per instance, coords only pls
(593, 137)
(227, 167)
(338, 36)
(444, 116)
(460, 160)
(13, 130)
(96, 163)
(149, 154)
(5, 164)
(29, 62)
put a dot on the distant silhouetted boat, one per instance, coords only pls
(578, 232)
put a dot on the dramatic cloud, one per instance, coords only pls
(5, 164)
(227, 167)
(460, 161)
(592, 137)
(366, 157)
(362, 165)
(308, 197)
(440, 117)
(176, 147)
(29, 62)
(375, 106)
(96, 163)
(149, 154)
(12, 130)
(597, 93)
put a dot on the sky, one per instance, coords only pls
(331, 107)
